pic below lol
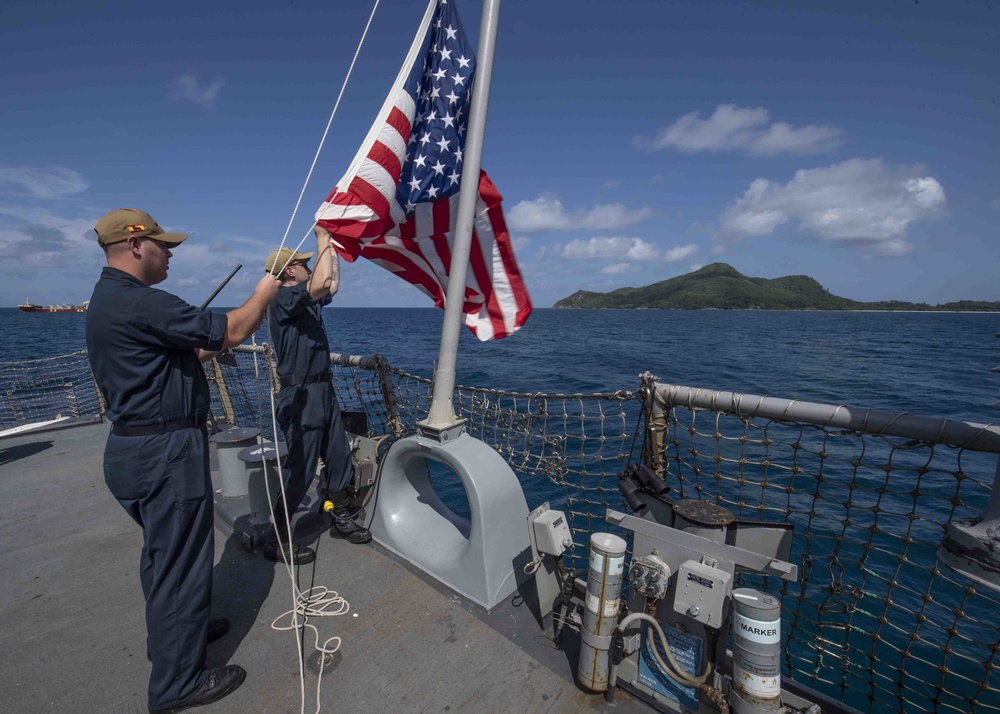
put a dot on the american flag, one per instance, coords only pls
(397, 205)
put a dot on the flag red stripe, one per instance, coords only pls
(410, 270)
(370, 195)
(477, 263)
(489, 192)
(401, 123)
(413, 246)
(510, 267)
(407, 229)
(387, 159)
(442, 226)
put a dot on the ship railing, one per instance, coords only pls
(41, 390)
(875, 621)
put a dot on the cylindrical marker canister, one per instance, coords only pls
(600, 615)
(757, 649)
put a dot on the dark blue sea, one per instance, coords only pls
(934, 364)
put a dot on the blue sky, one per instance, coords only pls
(855, 142)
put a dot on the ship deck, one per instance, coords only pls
(72, 622)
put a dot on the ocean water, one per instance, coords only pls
(933, 364)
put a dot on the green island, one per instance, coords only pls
(720, 286)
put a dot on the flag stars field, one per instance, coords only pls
(434, 121)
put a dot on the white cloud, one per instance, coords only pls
(625, 251)
(893, 248)
(741, 128)
(188, 87)
(782, 137)
(40, 238)
(680, 252)
(51, 182)
(856, 200)
(546, 213)
(622, 248)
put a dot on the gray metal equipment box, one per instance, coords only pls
(552, 534)
(701, 592)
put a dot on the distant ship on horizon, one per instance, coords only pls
(28, 307)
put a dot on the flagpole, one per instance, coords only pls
(442, 411)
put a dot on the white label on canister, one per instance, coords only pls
(594, 605)
(766, 633)
(616, 565)
(763, 687)
(610, 607)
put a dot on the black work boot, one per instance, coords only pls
(344, 525)
(276, 546)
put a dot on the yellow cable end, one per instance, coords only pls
(327, 506)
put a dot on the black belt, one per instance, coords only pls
(295, 380)
(152, 429)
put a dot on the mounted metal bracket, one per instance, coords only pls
(441, 434)
(972, 547)
(696, 546)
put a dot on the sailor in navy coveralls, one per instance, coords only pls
(144, 347)
(307, 407)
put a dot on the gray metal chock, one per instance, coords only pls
(476, 556)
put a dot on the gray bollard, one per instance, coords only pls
(756, 652)
(232, 471)
(263, 465)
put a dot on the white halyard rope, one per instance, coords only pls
(321, 142)
(317, 601)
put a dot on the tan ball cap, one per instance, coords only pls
(124, 223)
(281, 258)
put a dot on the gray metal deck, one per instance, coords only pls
(72, 629)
